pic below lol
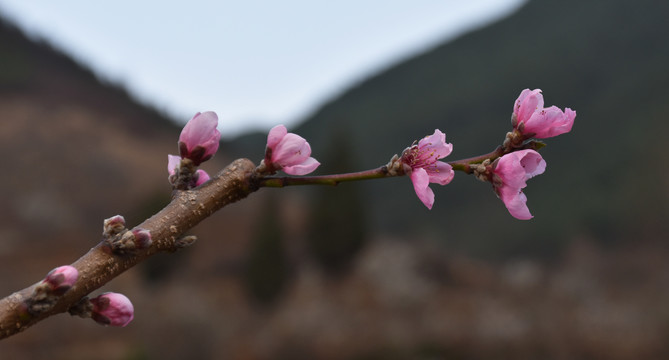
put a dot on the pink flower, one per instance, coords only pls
(420, 162)
(531, 118)
(510, 176)
(112, 309)
(62, 278)
(288, 152)
(199, 139)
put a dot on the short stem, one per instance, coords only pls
(332, 180)
(463, 165)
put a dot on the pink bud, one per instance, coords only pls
(420, 162)
(113, 225)
(202, 177)
(530, 117)
(288, 152)
(112, 309)
(142, 238)
(512, 171)
(199, 139)
(62, 278)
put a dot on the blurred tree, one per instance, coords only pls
(337, 229)
(267, 269)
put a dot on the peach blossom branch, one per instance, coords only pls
(99, 265)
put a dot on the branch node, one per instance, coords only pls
(129, 241)
(83, 308)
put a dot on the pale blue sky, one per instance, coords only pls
(256, 63)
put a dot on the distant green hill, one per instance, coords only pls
(606, 180)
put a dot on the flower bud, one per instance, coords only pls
(114, 225)
(112, 309)
(61, 278)
(288, 152)
(199, 139)
(142, 238)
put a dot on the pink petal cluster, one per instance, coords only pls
(112, 309)
(530, 117)
(421, 163)
(62, 278)
(511, 172)
(288, 152)
(199, 139)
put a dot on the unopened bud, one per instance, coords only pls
(112, 309)
(142, 238)
(61, 279)
(114, 225)
(199, 139)
(185, 241)
(130, 241)
(47, 293)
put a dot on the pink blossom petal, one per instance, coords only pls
(275, 135)
(202, 177)
(527, 103)
(440, 173)
(173, 162)
(533, 164)
(307, 166)
(536, 121)
(550, 122)
(514, 169)
(421, 183)
(291, 150)
(516, 203)
(510, 171)
(435, 146)
(519, 100)
(288, 152)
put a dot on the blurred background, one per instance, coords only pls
(363, 270)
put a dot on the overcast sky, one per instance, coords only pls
(256, 63)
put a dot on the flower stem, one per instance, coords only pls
(332, 180)
(382, 172)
